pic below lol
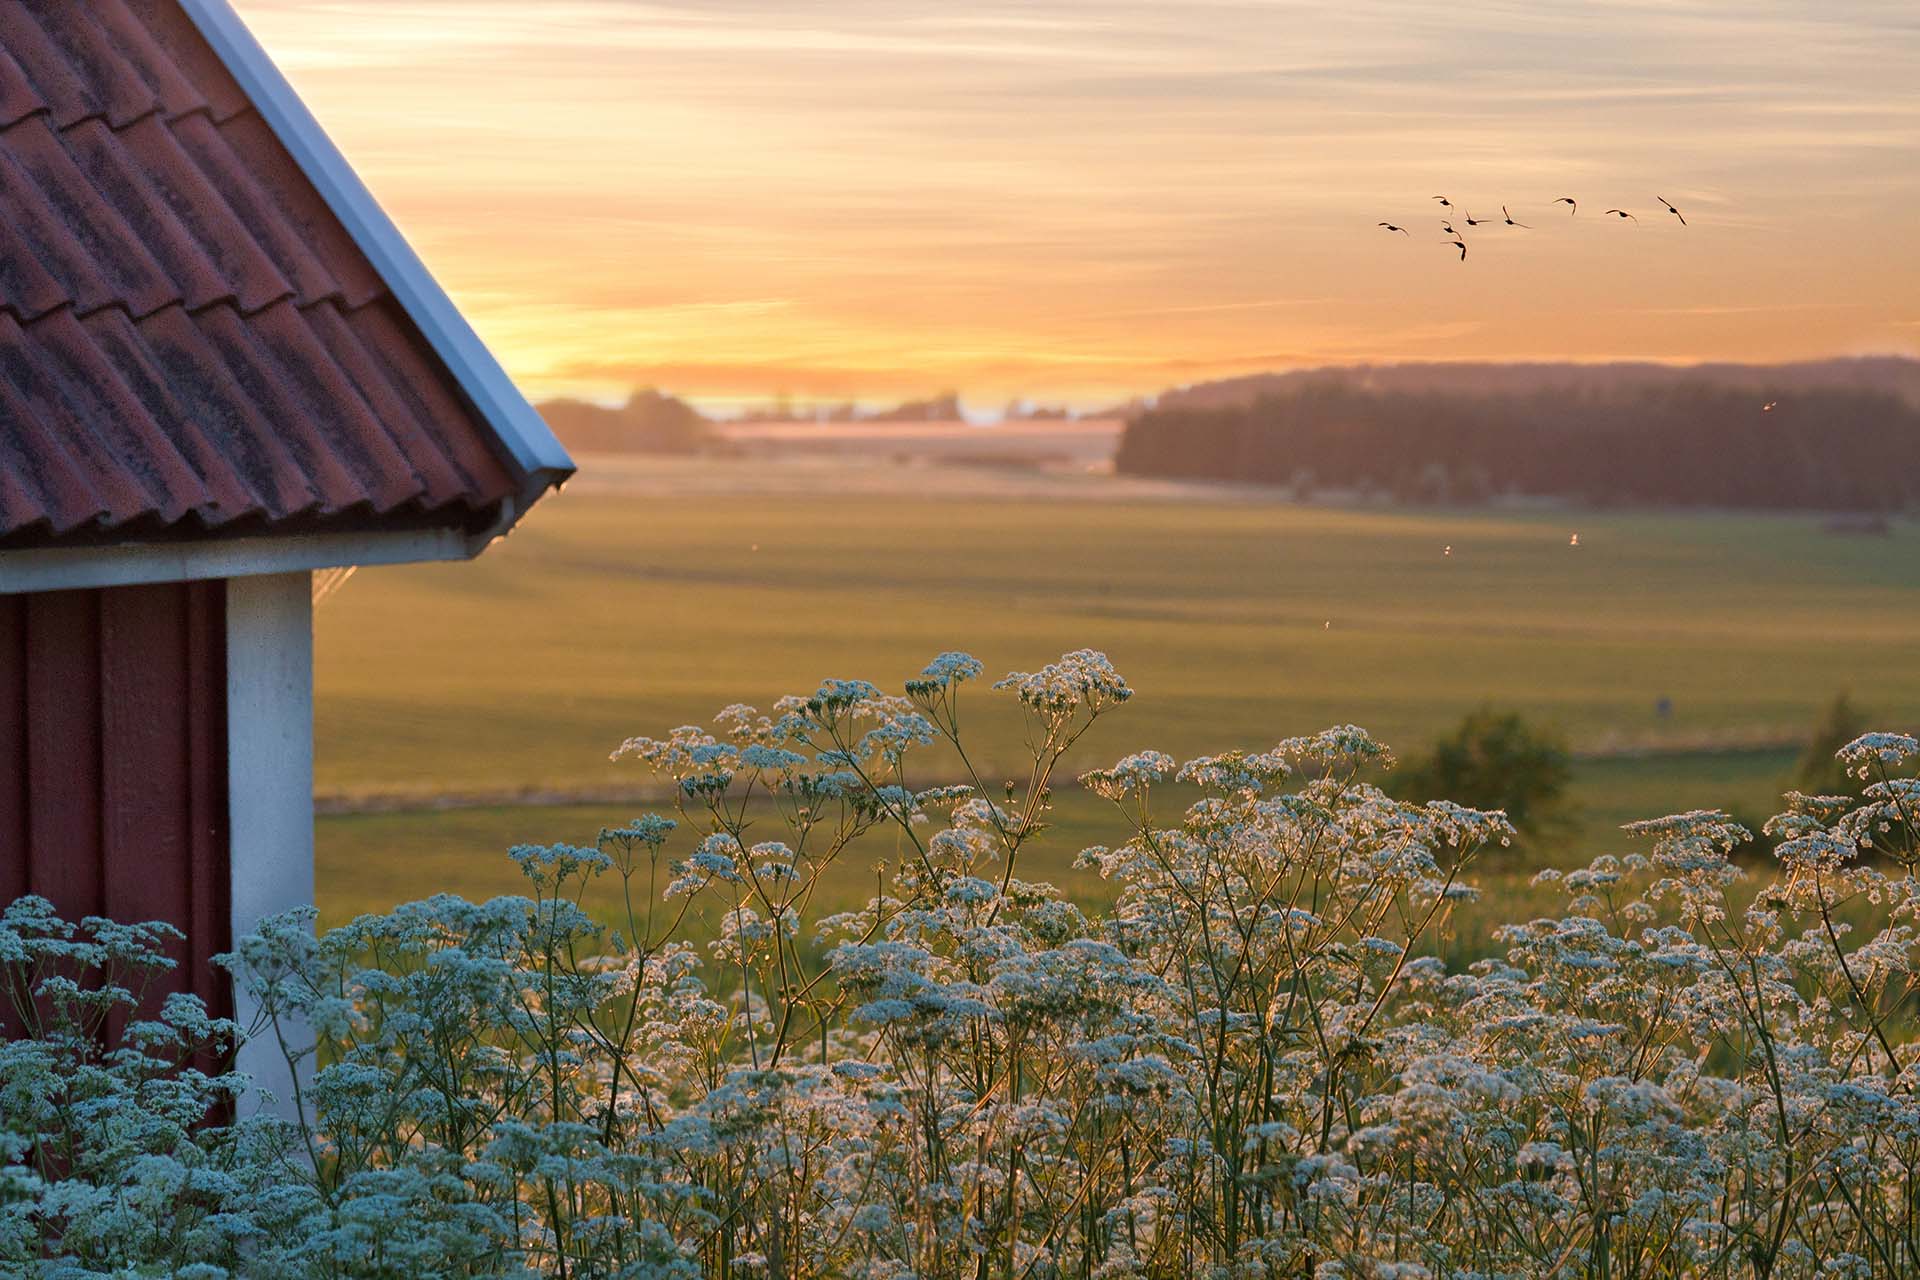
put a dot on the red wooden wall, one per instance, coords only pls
(113, 762)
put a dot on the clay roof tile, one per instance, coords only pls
(192, 343)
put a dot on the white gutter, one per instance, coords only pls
(526, 436)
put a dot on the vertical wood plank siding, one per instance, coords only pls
(113, 762)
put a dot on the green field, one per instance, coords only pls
(1239, 621)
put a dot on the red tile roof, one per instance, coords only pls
(191, 343)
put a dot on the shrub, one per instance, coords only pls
(1496, 760)
(1249, 1066)
(1819, 771)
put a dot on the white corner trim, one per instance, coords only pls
(66, 568)
(269, 777)
(524, 433)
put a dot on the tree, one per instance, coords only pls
(1819, 773)
(1496, 760)
(650, 422)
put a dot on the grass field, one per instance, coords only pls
(368, 862)
(614, 612)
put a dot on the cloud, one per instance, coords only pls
(1072, 190)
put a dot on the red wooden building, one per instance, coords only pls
(221, 369)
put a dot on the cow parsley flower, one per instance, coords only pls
(915, 1062)
(949, 669)
(1133, 773)
(1884, 749)
(716, 860)
(1083, 678)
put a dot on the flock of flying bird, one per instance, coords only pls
(1573, 207)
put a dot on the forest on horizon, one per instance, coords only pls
(1651, 437)
(1817, 435)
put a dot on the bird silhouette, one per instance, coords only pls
(1402, 230)
(1461, 245)
(1448, 228)
(1474, 222)
(1670, 209)
(1509, 218)
(1573, 206)
(1621, 213)
(1444, 202)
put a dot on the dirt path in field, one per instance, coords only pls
(333, 805)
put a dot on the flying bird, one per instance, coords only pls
(1444, 202)
(1573, 206)
(1768, 406)
(1670, 209)
(1474, 222)
(1509, 218)
(1461, 245)
(1621, 213)
(1402, 230)
(1574, 541)
(1448, 228)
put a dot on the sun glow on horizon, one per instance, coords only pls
(1078, 202)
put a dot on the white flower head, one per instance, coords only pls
(1887, 750)
(1134, 773)
(944, 672)
(1083, 678)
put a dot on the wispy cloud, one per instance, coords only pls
(1711, 311)
(1086, 197)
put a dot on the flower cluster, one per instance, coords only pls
(1251, 1063)
(1083, 678)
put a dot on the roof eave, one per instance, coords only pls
(529, 443)
(132, 564)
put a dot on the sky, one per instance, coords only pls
(1077, 202)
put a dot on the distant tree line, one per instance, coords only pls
(944, 407)
(1896, 375)
(1661, 443)
(649, 422)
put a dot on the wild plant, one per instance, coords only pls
(677, 1056)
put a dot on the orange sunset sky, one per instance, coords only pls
(1076, 202)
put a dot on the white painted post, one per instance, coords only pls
(269, 774)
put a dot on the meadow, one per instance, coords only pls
(630, 607)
